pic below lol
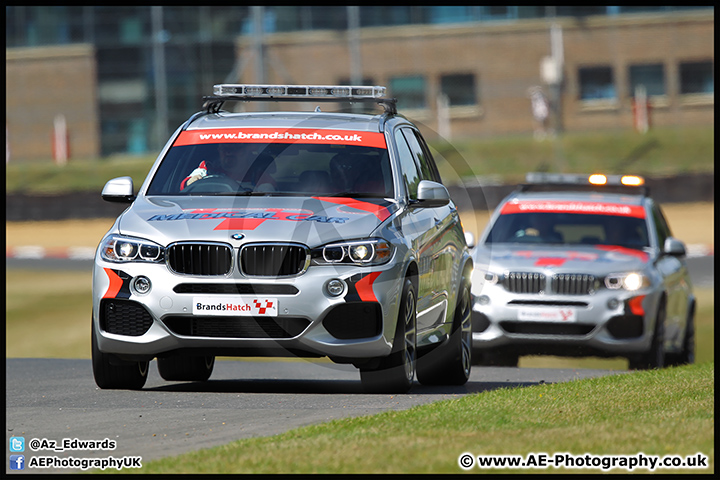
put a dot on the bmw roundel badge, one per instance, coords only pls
(238, 236)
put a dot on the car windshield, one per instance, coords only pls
(274, 169)
(569, 229)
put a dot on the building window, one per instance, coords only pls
(364, 81)
(409, 91)
(596, 83)
(459, 88)
(697, 77)
(652, 77)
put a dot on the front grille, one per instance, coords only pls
(235, 289)
(273, 260)
(236, 327)
(524, 282)
(199, 258)
(574, 284)
(547, 328)
(549, 303)
(124, 317)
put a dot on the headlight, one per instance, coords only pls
(117, 248)
(371, 251)
(629, 281)
(492, 278)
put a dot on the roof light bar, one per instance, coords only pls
(632, 180)
(597, 179)
(538, 178)
(299, 91)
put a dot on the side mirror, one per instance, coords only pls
(119, 190)
(432, 194)
(470, 239)
(674, 247)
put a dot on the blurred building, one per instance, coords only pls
(460, 71)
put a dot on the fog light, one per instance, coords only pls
(613, 303)
(483, 300)
(335, 287)
(142, 285)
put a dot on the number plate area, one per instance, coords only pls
(547, 314)
(235, 306)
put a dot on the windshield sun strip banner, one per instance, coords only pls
(281, 135)
(592, 208)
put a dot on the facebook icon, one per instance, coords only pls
(17, 462)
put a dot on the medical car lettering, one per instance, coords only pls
(550, 262)
(281, 135)
(623, 251)
(592, 208)
(379, 211)
(569, 255)
(549, 258)
(268, 215)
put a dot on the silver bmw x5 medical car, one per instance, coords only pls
(305, 234)
(578, 265)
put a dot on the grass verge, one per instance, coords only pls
(505, 158)
(663, 412)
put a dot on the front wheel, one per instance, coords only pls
(687, 355)
(395, 373)
(450, 363)
(126, 376)
(655, 356)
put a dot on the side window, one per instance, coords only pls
(410, 174)
(661, 227)
(428, 170)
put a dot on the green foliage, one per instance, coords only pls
(76, 176)
(662, 151)
(661, 412)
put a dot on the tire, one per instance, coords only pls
(655, 357)
(395, 373)
(451, 363)
(687, 354)
(186, 368)
(131, 376)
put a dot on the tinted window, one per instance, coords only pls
(410, 174)
(459, 88)
(652, 77)
(596, 83)
(661, 227)
(428, 170)
(569, 229)
(275, 168)
(697, 77)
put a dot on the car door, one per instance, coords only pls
(674, 272)
(437, 251)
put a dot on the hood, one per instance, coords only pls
(594, 259)
(312, 221)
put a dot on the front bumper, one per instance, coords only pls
(304, 319)
(605, 323)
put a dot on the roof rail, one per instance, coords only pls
(298, 93)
